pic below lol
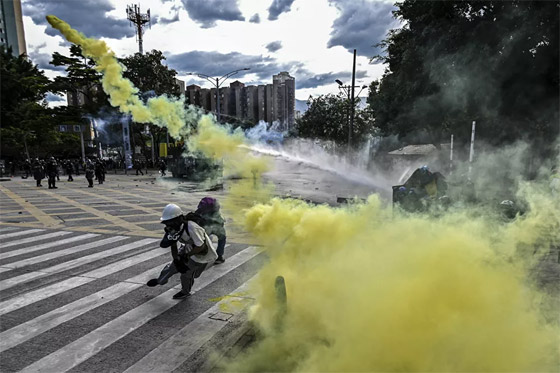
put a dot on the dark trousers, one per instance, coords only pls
(220, 232)
(139, 170)
(52, 181)
(194, 270)
(70, 178)
(38, 182)
(90, 182)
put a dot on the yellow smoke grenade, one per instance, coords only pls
(162, 111)
(368, 291)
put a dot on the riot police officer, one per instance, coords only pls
(51, 170)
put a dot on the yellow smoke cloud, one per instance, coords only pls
(368, 291)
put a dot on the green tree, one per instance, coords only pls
(328, 117)
(27, 122)
(82, 80)
(457, 61)
(152, 78)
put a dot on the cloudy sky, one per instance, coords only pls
(311, 39)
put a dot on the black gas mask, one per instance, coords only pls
(173, 228)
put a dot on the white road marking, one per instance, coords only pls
(35, 239)
(90, 344)
(58, 254)
(31, 249)
(33, 296)
(15, 234)
(169, 355)
(13, 281)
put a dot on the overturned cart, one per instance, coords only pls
(422, 191)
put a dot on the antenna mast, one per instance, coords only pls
(134, 16)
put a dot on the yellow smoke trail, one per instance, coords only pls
(162, 111)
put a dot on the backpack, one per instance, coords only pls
(197, 218)
(208, 205)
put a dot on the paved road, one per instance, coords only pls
(73, 266)
(124, 204)
(78, 301)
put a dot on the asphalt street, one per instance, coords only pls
(73, 267)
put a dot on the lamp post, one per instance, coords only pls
(348, 90)
(217, 82)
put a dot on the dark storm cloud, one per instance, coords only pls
(361, 24)
(207, 12)
(42, 61)
(89, 16)
(218, 64)
(305, 79)
(255, 18)
(274, 46)
(278, 7)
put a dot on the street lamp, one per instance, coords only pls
(347, 89)
(217, 82)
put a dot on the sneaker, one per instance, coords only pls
(181, 295)
(153, 282)
(220, 260)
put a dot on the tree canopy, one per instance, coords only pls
(452, 62)
(28, 125)
(152, 78)
(328, 118)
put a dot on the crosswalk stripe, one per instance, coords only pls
(36, 238)
(7, 229)
(59, 253)
(90, 344)
(13, 281)
(33, 296)
(23, 332)
(47, 245)
(28, 298)
(169, 355)
(14, 234)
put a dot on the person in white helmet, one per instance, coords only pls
(191, 249)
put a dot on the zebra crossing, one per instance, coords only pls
(75, 301)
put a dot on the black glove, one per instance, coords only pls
(181, 267)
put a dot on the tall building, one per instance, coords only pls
(270, 103)
(11, 26)
(284, 96)
(181, 85)
(192, 95)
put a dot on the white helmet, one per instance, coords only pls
(171, 211)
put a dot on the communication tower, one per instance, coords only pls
(134, 15)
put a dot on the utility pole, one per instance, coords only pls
(352, 105)
(134, 15)
(82, 142)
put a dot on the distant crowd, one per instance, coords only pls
(51, 168)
